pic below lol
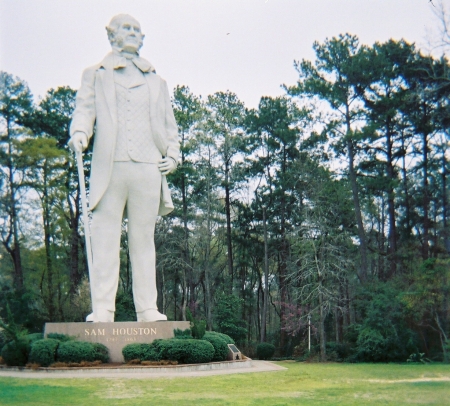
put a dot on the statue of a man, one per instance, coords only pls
(135, 146)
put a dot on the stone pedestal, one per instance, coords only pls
(115, 336)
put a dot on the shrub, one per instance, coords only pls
(337, 351)
(59, 337)
(219, 344)
(15, 353)
(77, 351)
(198, 327)
(34, 337)
(188, 351)
(142, 352)
(383, 335)
(101, 353)
(43, 352)
(265, 350)
(182, 334)
(223, 336)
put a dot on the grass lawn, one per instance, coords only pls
(308, 384)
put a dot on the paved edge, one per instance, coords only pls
(141, 373)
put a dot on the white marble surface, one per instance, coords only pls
(123, 98)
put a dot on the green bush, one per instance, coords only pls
(223, 336)
(182, 334)
(59, 337)
(198, 327)
(15, 353)
(383, 335)
(219, 344)
(188, 351)
(337, 351)
(185, 351)
(101, 353)
(34, 337)
(77, 351)
(143, 352)
(265, 350)
(43, 352)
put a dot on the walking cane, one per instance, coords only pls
(87, 234)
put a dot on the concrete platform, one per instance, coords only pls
(117, 335)
(146, 372)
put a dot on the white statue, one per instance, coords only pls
(135, 145)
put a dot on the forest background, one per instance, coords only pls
(326, 208)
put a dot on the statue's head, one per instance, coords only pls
(124, 33)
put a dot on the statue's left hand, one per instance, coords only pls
(167, 165)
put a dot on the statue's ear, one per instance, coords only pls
(110, 32)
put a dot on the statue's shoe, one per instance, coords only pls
(151, 315)
(105, 316)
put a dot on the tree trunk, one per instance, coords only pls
(13, 250)
(392, 237)
(357, 206)
(266, 280)
(228, 216)
(323, 348)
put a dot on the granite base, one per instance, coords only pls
(117, 335)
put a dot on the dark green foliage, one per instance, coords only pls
(160, 347)
(125, 310)
(188, 351)
(383, 335)
(143, 352)
(229, 317)
(77, 351)
(198, 327)
(101, 353)
(182, 334)
(34, 337)
(15, 353)
(265, 350)
(219, 344)
(59, 337)
(338, 351)
(43, 352)
(185, 351)
(223, 336)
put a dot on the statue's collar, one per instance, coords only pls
(115, 60)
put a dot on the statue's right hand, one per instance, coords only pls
(78, 142)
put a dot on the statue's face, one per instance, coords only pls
(128, 35)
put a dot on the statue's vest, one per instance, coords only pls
(134, 136)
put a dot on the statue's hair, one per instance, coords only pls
(114, 24)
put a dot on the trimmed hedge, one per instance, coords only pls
(143, 352)
(59, 337)
(43, 352)
(184, 351)
(223, 336)
(188, 351)
(77, 351)
(220, 346)
(101, 353)
(265, 350)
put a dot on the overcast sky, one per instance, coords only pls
(246, 46)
